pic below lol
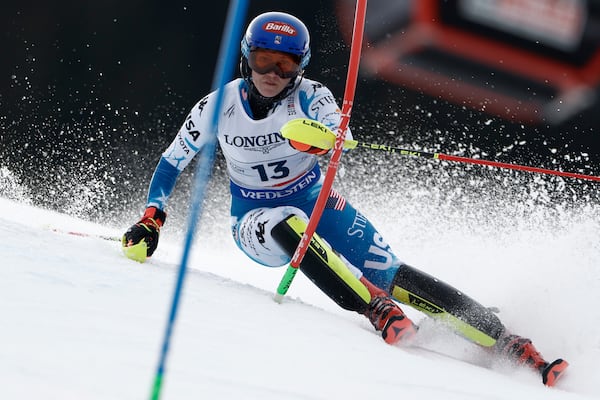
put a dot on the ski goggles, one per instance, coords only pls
(283, 64)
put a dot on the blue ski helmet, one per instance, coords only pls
(278, 31)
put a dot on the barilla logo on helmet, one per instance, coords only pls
(279, 27)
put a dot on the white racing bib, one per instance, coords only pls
(257, 155)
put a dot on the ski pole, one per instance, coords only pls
(85, 234)
(355, 50)
(446, 157)
(316, 134)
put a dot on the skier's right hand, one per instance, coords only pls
(307, 148)
(141, 239)
(308, 136)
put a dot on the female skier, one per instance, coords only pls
(274, 183)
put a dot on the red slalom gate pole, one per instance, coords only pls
(351, 79)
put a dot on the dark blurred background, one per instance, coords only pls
(92, 92)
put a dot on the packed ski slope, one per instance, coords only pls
(79, 321)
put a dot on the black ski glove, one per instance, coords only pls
(140, 240)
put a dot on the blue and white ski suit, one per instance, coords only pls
(269, 179)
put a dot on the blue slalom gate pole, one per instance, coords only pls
(225, 64)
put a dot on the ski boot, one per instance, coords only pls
(386, 316)
(521, 351)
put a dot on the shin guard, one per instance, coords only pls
(322, 266)
(442, 301)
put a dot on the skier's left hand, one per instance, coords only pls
(141, 239)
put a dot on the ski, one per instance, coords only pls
(550, 373)
(435, 339)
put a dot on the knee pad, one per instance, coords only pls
(252, 234)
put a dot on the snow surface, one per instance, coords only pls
(80, 321)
